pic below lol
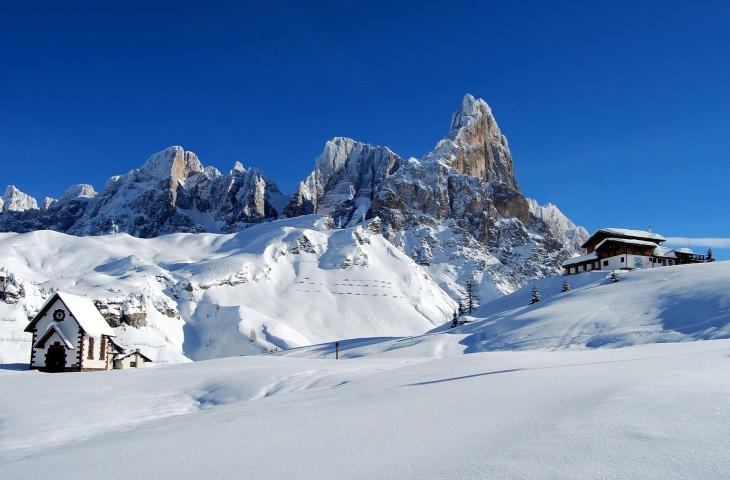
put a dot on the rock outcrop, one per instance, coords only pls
(458, 210)
(171, 192)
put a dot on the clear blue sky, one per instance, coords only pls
(618, 112)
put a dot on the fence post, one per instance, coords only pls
(337, 350)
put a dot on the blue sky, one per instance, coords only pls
(615, 112)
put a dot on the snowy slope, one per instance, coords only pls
(276, 285)
(667, 304)
(655, 412)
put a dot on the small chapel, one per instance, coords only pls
(71, 335)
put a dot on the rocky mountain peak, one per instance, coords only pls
(14, 200)
(172, 162)
(83, 190)
(475, 145)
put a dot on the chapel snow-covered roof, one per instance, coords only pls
(83, 310)
(86, 313)
(49, 331)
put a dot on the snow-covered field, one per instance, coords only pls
(656, 411)
(516, 394)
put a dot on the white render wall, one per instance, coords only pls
(615, 263)
(96, 362)
(126, 362)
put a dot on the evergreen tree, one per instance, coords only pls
(709, 257)
(472, 301)
(566, 286)
(461, 308)
(614, 277)
(455, 320)
(535, 295)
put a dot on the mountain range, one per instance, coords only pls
(457, 214)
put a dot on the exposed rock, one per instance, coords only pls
(16, 201)
(171, 192)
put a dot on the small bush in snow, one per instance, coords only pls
(615, 277)
(566, 286)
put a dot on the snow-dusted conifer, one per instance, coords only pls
(455, 320)
(615, 278)
(472, 301)
(252, 337)
(710, 257)
(566, 286)
(535, 295)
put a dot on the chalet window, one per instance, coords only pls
(90, 356)
(605, 263)
(622, 259)
(133, 364)
(651, 259)
(102, 352)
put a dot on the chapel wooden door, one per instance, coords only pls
(56, 358)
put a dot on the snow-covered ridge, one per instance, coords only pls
(277, 285)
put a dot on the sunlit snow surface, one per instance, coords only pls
(432, 406)
(293, 282)
(425, 411)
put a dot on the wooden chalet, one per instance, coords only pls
(625, 249)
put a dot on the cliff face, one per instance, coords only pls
(458, 210)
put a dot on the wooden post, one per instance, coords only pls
(337, 350)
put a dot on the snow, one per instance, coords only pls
(580, 258)
(632, 233)
(294, 282)
(54, 328)
(663, 304)
(628, 241)
(650, 412)
(86, 313)
(13, 200)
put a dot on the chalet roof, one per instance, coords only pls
(580, 259)
(82, 309)
(664, 252)
(684, 250)
(629, 241)
(49, 331)
(627, 233)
